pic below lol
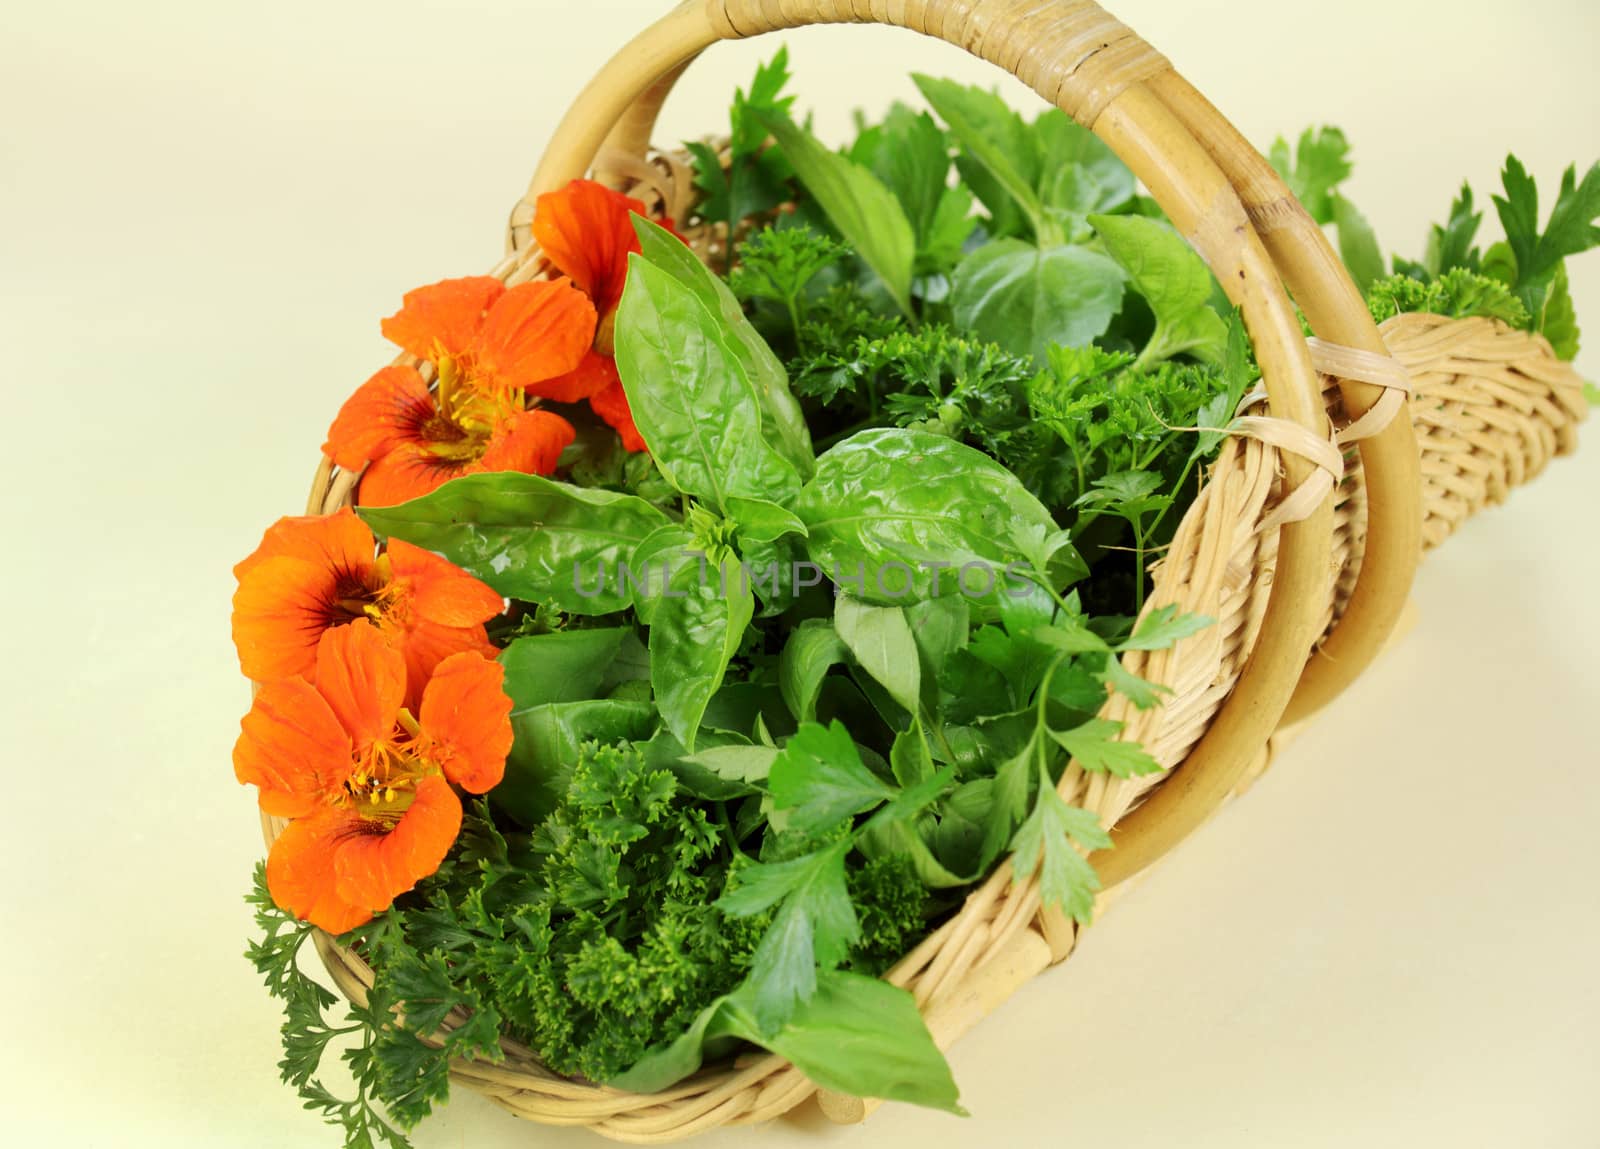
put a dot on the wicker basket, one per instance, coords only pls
(1304, 550)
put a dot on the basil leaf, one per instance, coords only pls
(881, 640)
(919, 506)
(566, 666)
(655, 562)
(545, 741)
(528, 537)
(783, 423)
(694, 633)
(812, 650)
(940, 626)
(866, 213)
(1027, 298)
(761, 521)
(1174, 281)
(690, 396)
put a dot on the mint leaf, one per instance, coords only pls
(996, 137)
(1174, 281)
(1027, 298)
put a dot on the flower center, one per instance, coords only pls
(470, 407)
(374, 597)
(385, 780)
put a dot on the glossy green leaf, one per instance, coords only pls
(566, 666)
(1026, 298)
(783, 423)
(881, 640)
(528, 537)
(906, 504)
(691, 398)
(761, 521)
(813, 648)
(694, 632)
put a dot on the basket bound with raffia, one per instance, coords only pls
(1366, 447)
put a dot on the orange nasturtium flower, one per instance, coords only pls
(586, 232)
(367, 783)
(314, 573)
(495, 347)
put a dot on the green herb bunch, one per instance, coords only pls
(791, 683)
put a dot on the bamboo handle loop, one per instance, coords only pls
(1390, 459)
(1084, 61)
(1354, 364)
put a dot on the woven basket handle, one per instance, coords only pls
(1204, 176)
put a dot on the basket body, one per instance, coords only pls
(1301, 605)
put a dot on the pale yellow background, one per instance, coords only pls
(204, 210)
